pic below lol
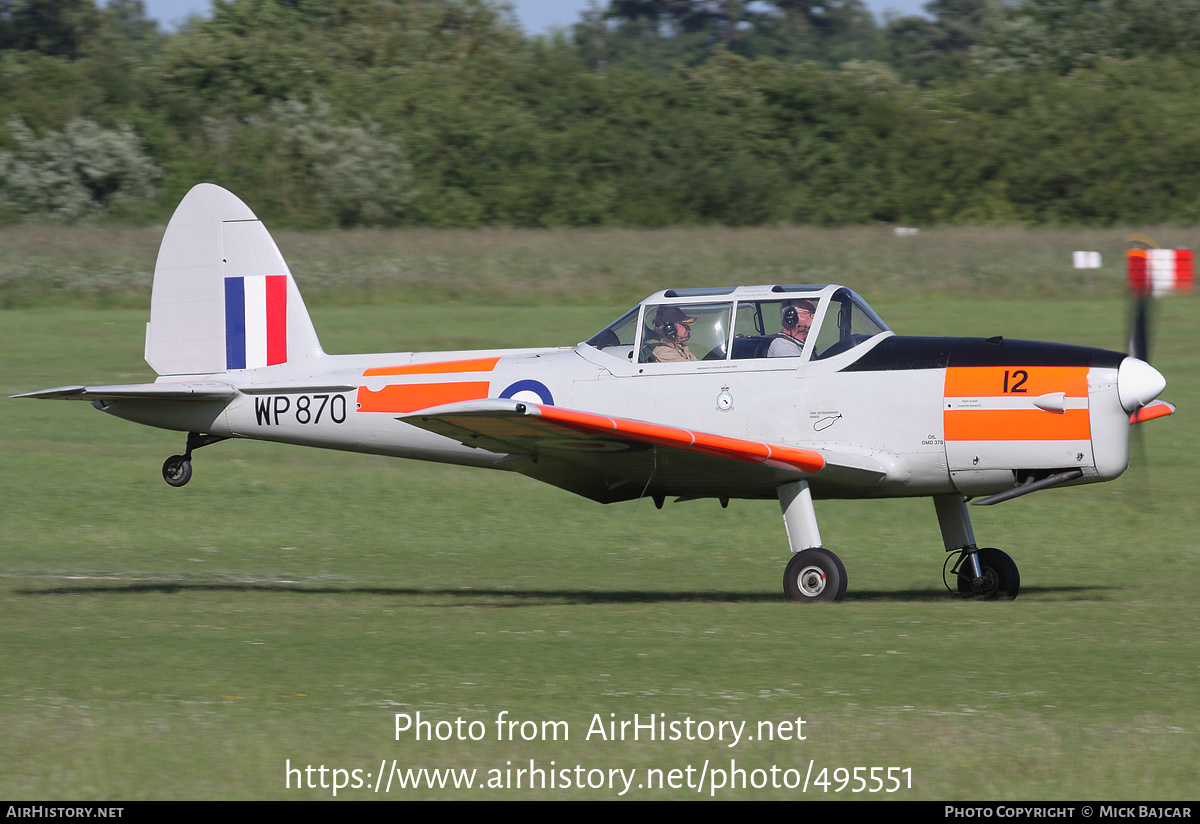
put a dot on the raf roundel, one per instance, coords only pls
(530, 391)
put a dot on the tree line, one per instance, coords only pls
(647, 112)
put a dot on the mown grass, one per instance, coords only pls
(188, 643)
(47, 266)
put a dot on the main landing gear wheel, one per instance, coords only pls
(177, 470)
(814, 575)
(1001, 580)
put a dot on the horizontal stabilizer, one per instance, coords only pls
(293, 389)
(185, 391)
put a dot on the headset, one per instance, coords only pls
(668, 330)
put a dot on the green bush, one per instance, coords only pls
(71, 174)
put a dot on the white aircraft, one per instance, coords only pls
(779, 391)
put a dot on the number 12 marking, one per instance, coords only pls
(1016, 387)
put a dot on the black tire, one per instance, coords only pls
(1001, 579)
(814, 575)
(177, 470)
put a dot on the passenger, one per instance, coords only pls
(673, 329)
(797, 317)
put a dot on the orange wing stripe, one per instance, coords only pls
(804, 459)
(655, 433)
(722, 445)
(604, 425)
(718, 445)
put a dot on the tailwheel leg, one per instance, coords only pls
(814, 573)
(986, 573)
(177, 469)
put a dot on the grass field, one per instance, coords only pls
(281, 609)
(113, 267)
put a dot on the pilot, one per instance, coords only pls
(673, 328)
(797, 317)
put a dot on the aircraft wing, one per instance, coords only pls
(182, 391)
(611, 459)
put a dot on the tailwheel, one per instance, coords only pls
(1000, 580)
(814, 575)
(177, 470)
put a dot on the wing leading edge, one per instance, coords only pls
(613, 459)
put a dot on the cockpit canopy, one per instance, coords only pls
(739, 323)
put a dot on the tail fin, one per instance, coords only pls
(223, 297)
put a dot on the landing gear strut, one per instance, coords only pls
(984, 573)
(814, 573)
(177, 469)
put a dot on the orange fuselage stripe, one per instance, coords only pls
(1016, 425)
(438, 367)
(1015, 381)
(413, 397)
(986, 384)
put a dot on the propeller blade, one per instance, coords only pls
(1139, 336)
(1137, 453)
(1152, 410)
